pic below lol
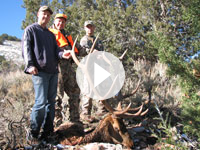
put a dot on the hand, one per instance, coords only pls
(95, 50)
(196, 73)
(67, 54)
(33, 70)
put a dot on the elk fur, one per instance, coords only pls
(111, 130)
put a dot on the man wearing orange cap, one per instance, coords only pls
(67, 78)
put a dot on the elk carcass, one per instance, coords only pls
(111, 129)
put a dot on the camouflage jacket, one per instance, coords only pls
(87, 42)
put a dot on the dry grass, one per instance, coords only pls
(15, 101)
(163, 89)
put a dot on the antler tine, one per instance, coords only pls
(107, 106)
(111, 88)
(127, 112)
(137, 108)
(79, 64)
(119, 106)
(134, 91)
(144, 112)
(122, 111)
(146, 101)
(122, 56)
(131, 110)
(113, 111)
(129, 115)
(73, 53)
(92, 48)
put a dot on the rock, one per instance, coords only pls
(143, 145)
(103, 146)
(138, 129)
(92, 146)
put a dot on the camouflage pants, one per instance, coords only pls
(67, 85)
(86, 106)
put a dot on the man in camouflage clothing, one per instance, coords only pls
(67, 78)
(86, 43)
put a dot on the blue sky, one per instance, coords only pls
(11, 15)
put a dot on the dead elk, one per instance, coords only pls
(111, 129)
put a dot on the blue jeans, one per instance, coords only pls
(43, 111)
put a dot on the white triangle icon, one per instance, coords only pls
(100, 74)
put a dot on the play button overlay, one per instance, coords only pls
(100, 75)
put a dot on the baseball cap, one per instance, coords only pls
(61, 16)
(88, 22)
(43, 8)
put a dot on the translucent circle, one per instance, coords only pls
(100, 75)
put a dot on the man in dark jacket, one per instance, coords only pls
(41, 55)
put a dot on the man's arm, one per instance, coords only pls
(85, 44)
(27, 51)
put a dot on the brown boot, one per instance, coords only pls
(102, 111)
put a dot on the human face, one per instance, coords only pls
(89, 29)
(43, 18)
(59, 23)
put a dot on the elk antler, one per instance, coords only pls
(73, 53)
(85, 70)
(73, 50)
(92, 48)
(82, 66)
(126, 113)
(122, 56)
(134, 91)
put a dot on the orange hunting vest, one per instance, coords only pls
(61, 39)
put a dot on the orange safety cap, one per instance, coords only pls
(61, 16)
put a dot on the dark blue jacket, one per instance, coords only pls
(39, 49)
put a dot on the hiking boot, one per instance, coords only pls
(32, 139)
(78, 122)
(46, 136)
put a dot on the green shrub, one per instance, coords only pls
(190, 115)
(7, 66)
(4, 37)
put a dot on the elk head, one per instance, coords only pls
(116, 132)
